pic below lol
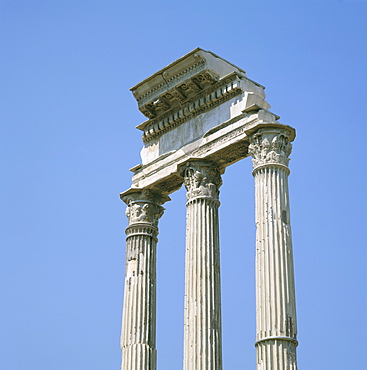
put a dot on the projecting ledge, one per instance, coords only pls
(224, 144)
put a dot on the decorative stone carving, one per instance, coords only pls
(138, 335)
(201, 179)
(206, 77)
(204, 100)
(202, 320)
(204, 114)
(270, 147)
(143, 206)
(276, 328)
(143, 212)
(178, 94)
(148, 110)
(194, 86)
(162, 104)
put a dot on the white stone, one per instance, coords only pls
(276, 324)
(138, 334)
(202, 319)
(204, 114)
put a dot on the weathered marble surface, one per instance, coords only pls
(202, 315)
(276, 324)
(198, 107)
(204, 114)
(138, 335)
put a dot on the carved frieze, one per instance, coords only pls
(201, 179)
(269, 146)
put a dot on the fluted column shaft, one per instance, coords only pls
(138, 336)
(202, 321)
(276, 327)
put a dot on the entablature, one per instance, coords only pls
(204, 100)
(180, 80)
(199, 107)
(224, 145)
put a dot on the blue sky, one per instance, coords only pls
(68, 138)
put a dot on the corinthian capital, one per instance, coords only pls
(201, 179)
(270, 146)
(143, 206)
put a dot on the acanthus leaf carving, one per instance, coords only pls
(143, 207)
(270, 147)
(202, 179)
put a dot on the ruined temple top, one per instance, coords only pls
(180, 80)
(199, 107)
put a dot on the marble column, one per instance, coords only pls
(138, 336)
(202, 321)
(276, 327)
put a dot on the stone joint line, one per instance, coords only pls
(295, 341)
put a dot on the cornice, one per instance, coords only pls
(197, 53)
(161, 71)
(181, 80)
(164, 86)
(184, 90)
(222, 91)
